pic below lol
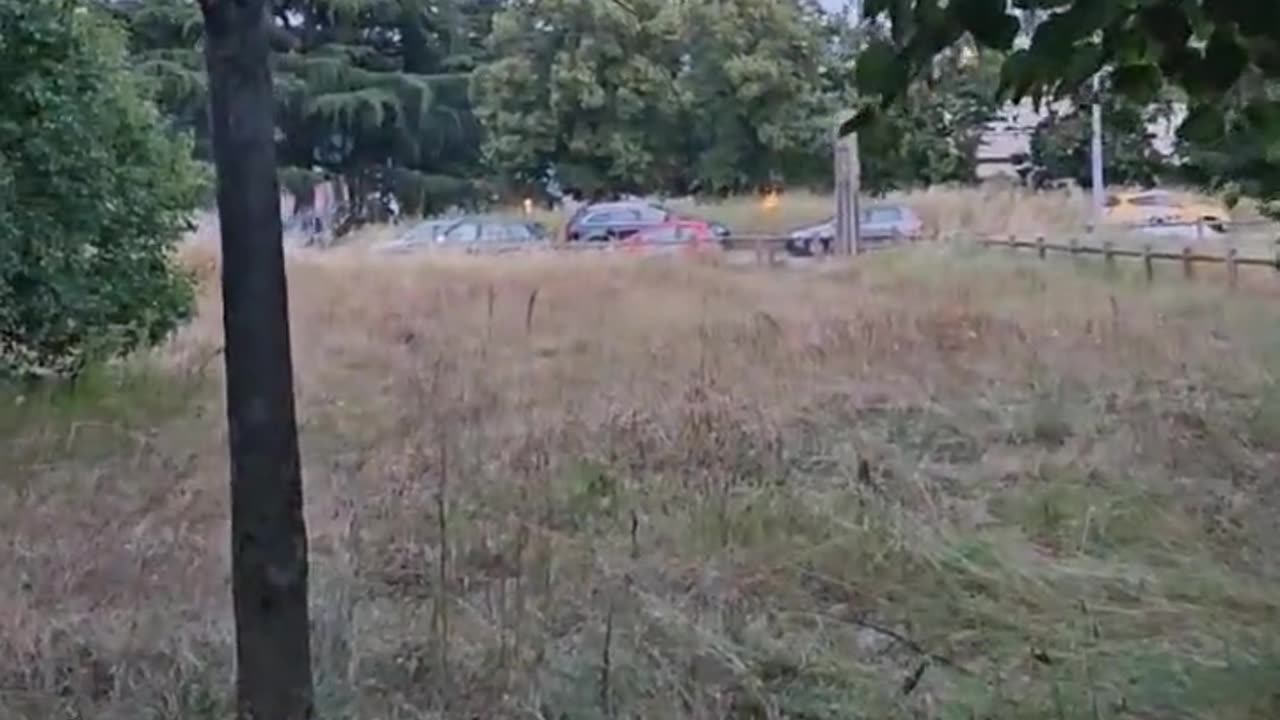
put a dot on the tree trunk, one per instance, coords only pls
(268, 531)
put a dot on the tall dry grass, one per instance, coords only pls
(932, 484)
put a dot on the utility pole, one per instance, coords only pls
(1095, 153)
(848, 172)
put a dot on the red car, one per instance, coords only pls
(689, 235)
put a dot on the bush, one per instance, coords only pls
(94, 192)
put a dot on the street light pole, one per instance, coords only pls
(1095, 153)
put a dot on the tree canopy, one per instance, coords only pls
(373, 92)
(91, 187)
(1221, 56)
(455, 101)
(459, 101)
(710, 97)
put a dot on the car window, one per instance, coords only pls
(517, 232)
(493, 233)
(1154, 200)
(462, 233)
(651, 213)
(426, 232)
(606, 217)
(883, 215)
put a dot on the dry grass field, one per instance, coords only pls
(937, 483)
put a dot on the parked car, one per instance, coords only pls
(1154, 208)
(604, 222)
(470, 233)
(880, 223)
(690, 235)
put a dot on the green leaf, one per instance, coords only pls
(1203, 124)
(1017, 75)
(1139, 82)
(1167, 23)
(986, 21)
(880, 72)
(1263, 117)
(1086, 61)
(1225, 59)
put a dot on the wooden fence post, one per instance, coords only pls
(1233, 269)
(1108, 254)
(1188, 271)
(1148, 266)
(1040, 250)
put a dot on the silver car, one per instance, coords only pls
(474, 234)
(880, 223)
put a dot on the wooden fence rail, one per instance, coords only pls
(1186, 256)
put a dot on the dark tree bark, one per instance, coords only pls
(268, 531)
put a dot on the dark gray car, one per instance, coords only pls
(607, 221)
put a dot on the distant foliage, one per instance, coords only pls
(93, 195)
(1244, 158)
(708, 97)
(1221, 56)
(373, 93)
(932, 136)
(615, 97)
(1060, 145)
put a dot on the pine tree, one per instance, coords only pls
(372, 93)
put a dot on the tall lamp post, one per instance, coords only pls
(1095, 153)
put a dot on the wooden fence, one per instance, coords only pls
(1187, 256)
(768, 249)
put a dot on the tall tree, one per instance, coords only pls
(91, 187)
(373, 93)
(753, 76)
(268, 530)
(584, 91)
